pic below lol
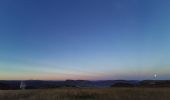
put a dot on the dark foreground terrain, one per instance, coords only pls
(118, 93)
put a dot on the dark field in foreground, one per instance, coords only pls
(88, 94)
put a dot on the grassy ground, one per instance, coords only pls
(88, 94)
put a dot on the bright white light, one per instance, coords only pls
(155, 75)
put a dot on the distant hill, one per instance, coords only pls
(43, 84)
(155, 83)
(36, 84)
(4, 86)
(123, 84)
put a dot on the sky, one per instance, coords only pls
(84, 39)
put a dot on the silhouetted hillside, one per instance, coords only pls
(121, 84)
(40, 84)
(154, 83)
(4, 86)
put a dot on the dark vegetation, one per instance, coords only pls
(121, 93)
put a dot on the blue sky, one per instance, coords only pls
(84, 39)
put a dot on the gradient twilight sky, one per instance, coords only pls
(84, 39)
